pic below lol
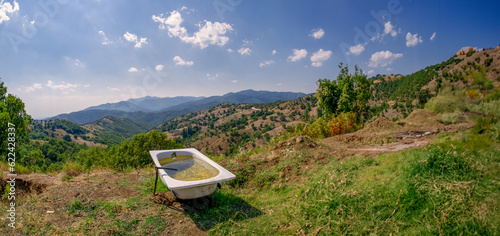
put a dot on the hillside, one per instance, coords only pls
(395, 96)
(175, 107)
(226, 128)
(407, 170)
(103, 132)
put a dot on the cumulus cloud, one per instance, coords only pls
(297, 54)
(383, 58)
(370, 72)
(357, 49)
(159, 67)
(244, 51)
(180, 62)
(389, 29)
(105, 40)
(412, 40)
(33, 87)
(274, 52)
(7, 9)
(132, 69)
(317, 33)
(266, 63)
(65, 88)
(134, 39)
(208, 33)
(433, 36)
(229, 50)
(234, 81)
(319, 57)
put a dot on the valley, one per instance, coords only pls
(420, 157)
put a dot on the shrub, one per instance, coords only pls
(451, 118)
(72, 169)
(448, 101)
(491, 108)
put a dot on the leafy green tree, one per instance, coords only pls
(12, 112)
(349, 93)
(135, 153)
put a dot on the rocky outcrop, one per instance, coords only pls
(461, 52)
(470, 50)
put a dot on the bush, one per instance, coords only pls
(72, 169)
(447, 102)
(491, 108)
(451, 118)
(341, 124)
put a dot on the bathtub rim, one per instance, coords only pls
(174, 184)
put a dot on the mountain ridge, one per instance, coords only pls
(174, 109)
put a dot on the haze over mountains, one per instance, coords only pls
(155, 110)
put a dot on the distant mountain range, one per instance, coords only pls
(155, 110)
(145, 104)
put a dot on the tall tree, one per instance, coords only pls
(348, 93)
(12, 112)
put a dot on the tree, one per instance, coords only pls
(12, 112)
(349, 93)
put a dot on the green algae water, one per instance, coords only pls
(189, 168)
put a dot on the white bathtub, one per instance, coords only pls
(189, 189)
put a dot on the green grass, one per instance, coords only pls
(450, 187)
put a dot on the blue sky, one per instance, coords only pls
(61, 56)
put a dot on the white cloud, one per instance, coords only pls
(319, 57)
(389, 29)
(134, 39)
(159, 67)
(371, 72)
(433, 36)
(212, 77)
(317, 33)
(65, 88)
(412, 40)
(180, 62)
(279, 84)
(244, 51)
(114, 89)
(234, 81)
(132, 69)
(274, 52)
(34, 87)
(297, 54)
(383, 58)
(75, 62)
(356, 50)
(208, 34)
(266, 63)
(105, 40)
(389, 69)
(7, 9)
(246, 42)
(229, 50)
